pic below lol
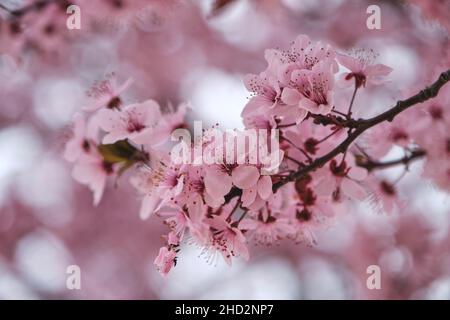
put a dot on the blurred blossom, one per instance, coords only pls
(215, 95)
(12, 287)
(20, 148)
(42, 260)
(56, 100)
(322, 280)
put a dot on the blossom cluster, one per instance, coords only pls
(40, 26)
(222, 206)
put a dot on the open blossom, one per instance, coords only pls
(106, 94)
(158, 186)
(93, 171)
(256, 188)
(265, 87)
(221, 177)
(383, 195)
(438, 171)
(303, 54)
(432, 135)
(198, 191)
(261, 121)
(341, 178)
(304, 222)
(255, 196)
(84, 138)
(168, 122)
(165, 260)
(308, 212)
(431, 129)
(305, 142)
(90, 168)
(266, 92)
(265, 228)
(311, 90)
(297, 81)
(177, 221)
(217, 181)
(134, 122)
(226, 240)
(308, 76)
(380, 139)
(362, 69)
(233, 168)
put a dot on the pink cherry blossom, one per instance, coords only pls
(84, 138)
(265, 88)
(266, 229)
(342, 178)
(226, 240)
(383, 195)
(311, 90)
(362, 69)
(177, 221)
(296, 81)
(158, 186)
(266, 91)
(93, 171)
(106, 94)
(308, 217)
(168, 122)
(199, 190)
(134, 122)
(304, 54)
(165, 260)
(254, 196)
(380, 140)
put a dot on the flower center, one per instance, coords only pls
(134, 126)
(398, 135)
(303, 215)
(436, 113)
(114, 103)
(108, 167)
(311, 145)
(387, 188)
(360, 79)
(340, 170)
(86, 146)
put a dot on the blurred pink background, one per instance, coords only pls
(198, 51)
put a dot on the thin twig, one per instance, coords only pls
(286, 125)
(338, 112)
(298, 148)
(365, 124)
(327, 120)
(349, 112)
(371, 165)
(328, 136)
(293, 160)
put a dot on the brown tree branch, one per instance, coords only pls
(371, 165)
(334, 120)
(365, 124)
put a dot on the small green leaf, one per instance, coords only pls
(120, 151)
